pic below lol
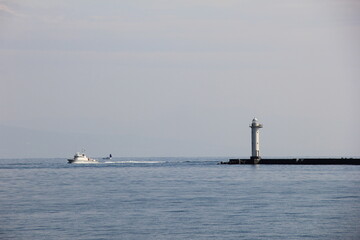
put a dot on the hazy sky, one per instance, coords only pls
(179, 77)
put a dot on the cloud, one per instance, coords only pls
(5, 9)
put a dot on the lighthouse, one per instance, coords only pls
(256, 159)
(255, 146)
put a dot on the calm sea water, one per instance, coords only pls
(177, 198)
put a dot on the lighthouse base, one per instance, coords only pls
(255, 160)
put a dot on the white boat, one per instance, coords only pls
(81, 158)
(108, 158)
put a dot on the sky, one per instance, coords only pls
(179, 78)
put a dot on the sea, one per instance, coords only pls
(177, 198)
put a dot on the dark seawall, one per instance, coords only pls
(298, 161)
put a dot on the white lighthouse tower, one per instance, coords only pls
(255, 146)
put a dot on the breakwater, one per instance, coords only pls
(297, 161)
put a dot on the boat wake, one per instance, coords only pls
(133, 162)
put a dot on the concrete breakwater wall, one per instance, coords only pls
(297, 161)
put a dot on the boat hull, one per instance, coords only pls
(82, 161)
